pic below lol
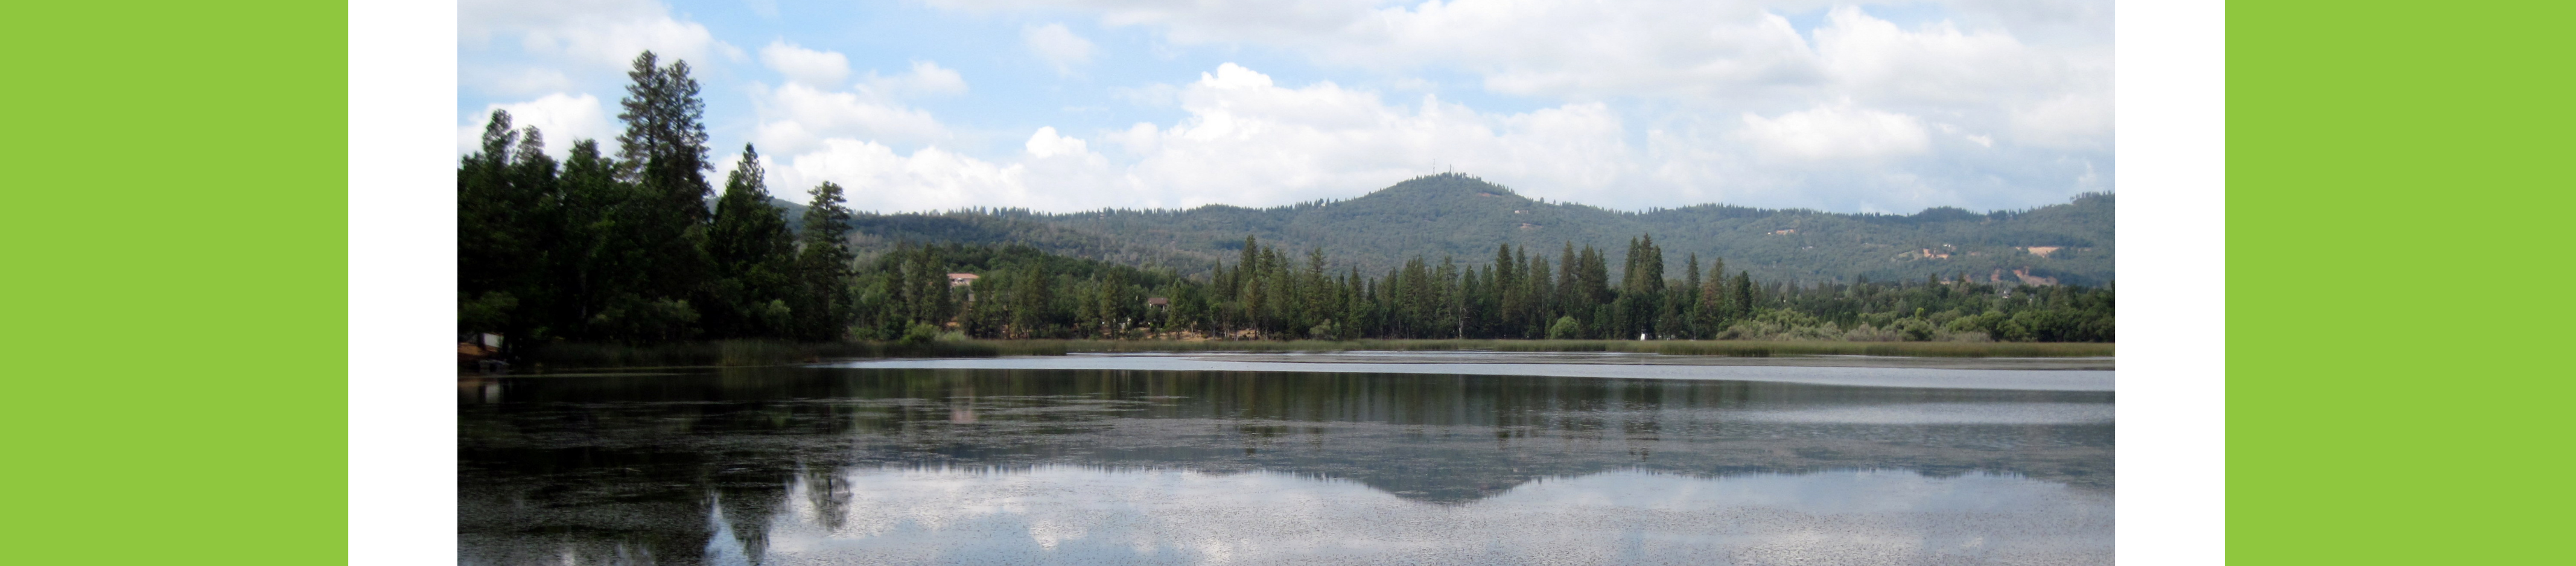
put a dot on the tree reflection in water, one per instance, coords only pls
(651, 469)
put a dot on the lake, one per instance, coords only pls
(1379, 458)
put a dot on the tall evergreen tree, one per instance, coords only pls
(751, 253)
(823, 264)
(506, 205)
(1033, 301)
(1542, 284)
(1743, 302)
(1712, 314)
(587, 266)
(1568, 291)
(487, 246)
(1685, 299)
(664, 153)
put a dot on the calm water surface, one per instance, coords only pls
(842, 465)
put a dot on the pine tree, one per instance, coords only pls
(585, 267)
(1712, 299)
(1684, 301)
(1033, 301)
(487, 246)
(752, 254)
(663, 152)
(823, 265)
(1568, 291)
(1743, 302)
(1543, 310)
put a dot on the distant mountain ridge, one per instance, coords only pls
(1461, 216)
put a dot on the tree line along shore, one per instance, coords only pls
(636, 249)
(574, 356)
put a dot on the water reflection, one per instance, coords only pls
(783, 465)
(1081, 515)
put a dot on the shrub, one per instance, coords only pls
(1566, 328)
(919, 333)
(1916, 330)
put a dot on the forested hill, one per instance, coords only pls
(1464, 217)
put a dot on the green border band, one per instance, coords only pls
(2397, 193)
(176, 312)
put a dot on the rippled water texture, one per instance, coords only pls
(1098, 466)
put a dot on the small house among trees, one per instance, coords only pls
(962, 279)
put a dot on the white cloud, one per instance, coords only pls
(1201, 22)
(1058, 46)
(1837, 132)
(598, 32)
(1249, 141)
(925, 78)
(1728, 91)
(2075, 121)
(823, 69)
(929, 179)
(795, 117)
(1582, 49)
(521, 81)
(561, 118)
(800, 115)
(1056, 173)
(1047, 143)
(1936, 63)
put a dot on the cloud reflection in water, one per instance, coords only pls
(1083, 515)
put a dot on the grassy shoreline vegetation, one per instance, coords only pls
(629, 257)
(587, 355)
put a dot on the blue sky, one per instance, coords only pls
(1066, 105)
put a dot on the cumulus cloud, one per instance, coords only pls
(562, 118)
(809, 108)
(1934, 63)
(1201, 22)
(2071, 121)
(1056, 172)
(795, 117)
(823, 69)
(928, 179)
(520, 81)
(1728, 93)
(1058, 46)
(1837, 132)
(1247, 140)
(925, 78)
(1047, 143)
(598, 32)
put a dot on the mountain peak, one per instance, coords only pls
(1442, 186)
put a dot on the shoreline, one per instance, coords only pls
(2104, 363)
(1717, 369)
(563, 356)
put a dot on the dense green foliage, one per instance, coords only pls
(1461, 216)
(1026, 293)
(629, 249)
(626, 248)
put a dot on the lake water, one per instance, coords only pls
(996, 462)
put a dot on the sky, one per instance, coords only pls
(1071, 105)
